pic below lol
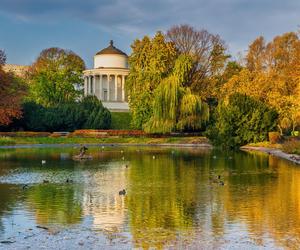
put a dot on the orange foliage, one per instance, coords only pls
(11, 94)
(274, 137)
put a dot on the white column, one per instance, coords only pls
(89, 85)
(85, 86)
(100, 88)
(94, 84)
(123, 88)
(116, 87)
(108, 95)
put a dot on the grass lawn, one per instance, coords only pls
(109, 140)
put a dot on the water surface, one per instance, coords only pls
(174, 199)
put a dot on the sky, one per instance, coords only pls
(86, 26)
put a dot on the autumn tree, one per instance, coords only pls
(12, 90)
(151, 60)
(56, 77)
(209, 56)
(256, 55)
(272, 76)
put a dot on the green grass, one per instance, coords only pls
(79, 140)
(120, 120)
(6, 141)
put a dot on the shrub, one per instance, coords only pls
(65, 117)
(120, 120)
(88, 113)
(33, 117)
(291, 147)
(98, 117)
(274, 137)
(241, 120)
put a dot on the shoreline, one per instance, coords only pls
(42, 145)
(276, 152)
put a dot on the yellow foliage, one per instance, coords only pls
(272, 76)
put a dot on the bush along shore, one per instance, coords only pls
(288, 148)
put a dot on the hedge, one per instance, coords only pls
(120, 120)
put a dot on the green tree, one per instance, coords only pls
(56, 77)
(240, 120)
(151, 60)
(174, 106)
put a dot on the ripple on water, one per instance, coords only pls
(169, 201)
(26, 177)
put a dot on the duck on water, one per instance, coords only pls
(82, 154)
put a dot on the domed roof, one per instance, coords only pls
(111, 49)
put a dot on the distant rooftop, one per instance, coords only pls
(19, 70)
(111, 49)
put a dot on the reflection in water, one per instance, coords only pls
(172, 198)
(54, 204)
(101, 198)
(8, 201)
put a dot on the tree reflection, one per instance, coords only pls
(54, 204)
(8, 201)
(163, 198)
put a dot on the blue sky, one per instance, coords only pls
(86, 26)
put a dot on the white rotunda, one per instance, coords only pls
(107, 79)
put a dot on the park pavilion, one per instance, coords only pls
(107, 79)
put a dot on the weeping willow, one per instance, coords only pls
(174, 106)
(193, 112)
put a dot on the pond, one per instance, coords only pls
(175, 198)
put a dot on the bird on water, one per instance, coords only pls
(122, 192)
(217, 180)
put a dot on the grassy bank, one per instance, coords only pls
(289, 147)
(78, 140)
